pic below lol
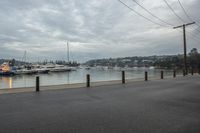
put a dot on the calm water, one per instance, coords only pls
(76, 77)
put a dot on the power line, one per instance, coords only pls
(151, 13)
(194, 37)
(160, 18)
(150, 19)
(177, 14)
(186, 14)
(192, 32)
(139, 14)
(185, 11)
(191, 36)
(173, 11)
(197, 29)
(156, 16)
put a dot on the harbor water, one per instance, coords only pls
(78, 76)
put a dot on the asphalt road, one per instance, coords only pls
(162, 106)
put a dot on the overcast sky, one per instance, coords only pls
(94, 28)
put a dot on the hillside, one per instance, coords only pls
(165, 61)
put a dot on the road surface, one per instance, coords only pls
(160, 106)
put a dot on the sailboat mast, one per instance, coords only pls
(25, 56)
(68, 52)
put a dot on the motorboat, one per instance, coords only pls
(6, 69)
(26, 71)
(60, 68)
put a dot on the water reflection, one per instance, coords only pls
(78, 76)
(7, 82)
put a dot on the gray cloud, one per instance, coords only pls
(95, 29)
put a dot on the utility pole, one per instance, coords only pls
(184, 44)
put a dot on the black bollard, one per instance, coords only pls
(174, 73)
(37, 84)
(161, 75)
(88, 80)
(184, 72)
(146, 76)
(192, 71)
(123, 77)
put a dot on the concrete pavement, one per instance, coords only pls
(160, 106)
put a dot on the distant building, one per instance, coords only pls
(126, 60)
(147, 61)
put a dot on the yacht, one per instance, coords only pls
(6, 69)
(60, 68)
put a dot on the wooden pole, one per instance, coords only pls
(184, 45)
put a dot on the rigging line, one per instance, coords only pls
(151, 13)
(173, 11)
(140, 14)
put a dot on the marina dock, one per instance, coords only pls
(157, 106)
